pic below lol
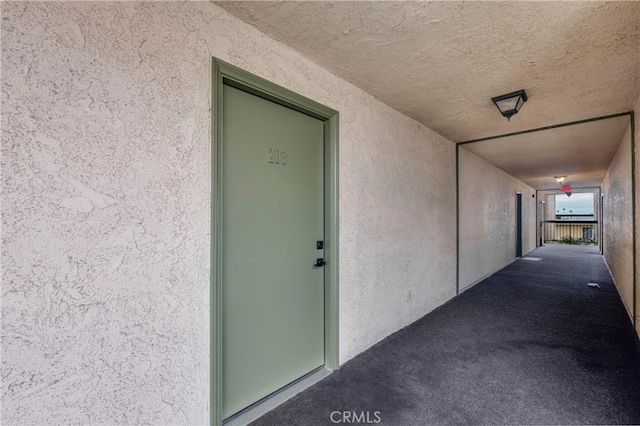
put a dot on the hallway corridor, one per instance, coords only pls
(532, 344)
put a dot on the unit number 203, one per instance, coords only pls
(276, 156)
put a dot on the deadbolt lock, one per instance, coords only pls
(320, 262)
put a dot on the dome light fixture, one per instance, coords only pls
(510, 104)
(559, 179)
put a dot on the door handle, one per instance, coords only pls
(319, 262)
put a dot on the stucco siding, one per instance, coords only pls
(618, 241)
(488, 218)
(106, 207)
(637, 198)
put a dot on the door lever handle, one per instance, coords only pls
(319, 262)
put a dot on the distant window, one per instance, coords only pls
(587, 233)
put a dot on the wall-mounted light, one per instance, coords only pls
(510, 104)
(560, 179)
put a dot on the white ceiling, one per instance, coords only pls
(582, 152)
(441, 62)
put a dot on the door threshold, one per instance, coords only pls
(260, 408)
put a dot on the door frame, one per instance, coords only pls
(224, 73)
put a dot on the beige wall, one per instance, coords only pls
(548, 214)
(618, 241)
(637, 185)
(106, 183)
(488, 218)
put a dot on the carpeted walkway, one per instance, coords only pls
(532, 344)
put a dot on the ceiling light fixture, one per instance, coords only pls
(510, 104)
(560, 179)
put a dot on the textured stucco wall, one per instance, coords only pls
(637, 184)
(106, 181)
(488, 218)
(549, 214)
(618, 241)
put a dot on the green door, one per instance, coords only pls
(273, 218)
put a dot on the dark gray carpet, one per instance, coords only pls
(532, 344)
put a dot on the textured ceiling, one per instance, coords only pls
(581, 152)
(441, 62)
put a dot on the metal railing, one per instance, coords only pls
(570, 232)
